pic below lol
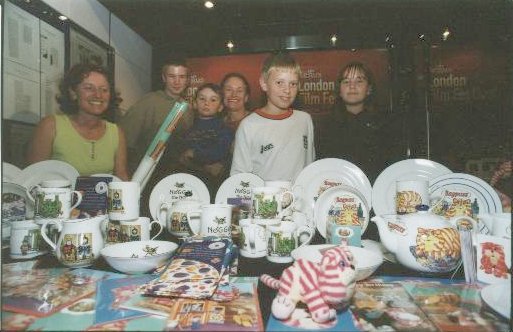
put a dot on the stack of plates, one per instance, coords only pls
(323, 174)
(383, 191)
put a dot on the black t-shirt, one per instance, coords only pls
(370, 140)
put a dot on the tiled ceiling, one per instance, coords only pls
(186, 26)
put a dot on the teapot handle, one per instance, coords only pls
(29, 192)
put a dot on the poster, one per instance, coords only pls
(319, 70)
(52, 66)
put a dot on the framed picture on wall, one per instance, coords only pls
(84, 48)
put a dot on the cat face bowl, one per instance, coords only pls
(366, 261)
(138, 257)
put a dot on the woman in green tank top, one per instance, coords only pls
(79, 134)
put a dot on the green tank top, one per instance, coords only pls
(87, 156)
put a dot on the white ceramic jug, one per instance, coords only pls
(80, 240)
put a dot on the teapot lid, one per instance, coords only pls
(422, 207)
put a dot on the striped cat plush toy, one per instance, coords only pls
(322, 287)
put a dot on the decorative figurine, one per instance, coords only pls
(323, 287)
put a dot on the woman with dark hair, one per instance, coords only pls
(79, 134)
(236, 95)
(355, 130)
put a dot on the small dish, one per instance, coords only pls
(138, 257)
(498, 297)
(367, 261)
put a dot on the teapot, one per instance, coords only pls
(80, 240)
(422, 240)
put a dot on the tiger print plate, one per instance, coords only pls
(463, 194)
(341, 205)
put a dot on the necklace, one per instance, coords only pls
(93, 150)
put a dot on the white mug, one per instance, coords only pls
(409, 194)
(253, 241)
(499, 224)
(285, 237)
(54, 199)
(25, 241)
(123, 200)
(288, 200)
(137, 230)
(175, 215)
(271, 202)
(215, 220)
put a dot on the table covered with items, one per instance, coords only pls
(422, 248)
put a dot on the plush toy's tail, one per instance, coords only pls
(270, 281)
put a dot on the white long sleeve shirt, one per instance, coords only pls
(274, 147)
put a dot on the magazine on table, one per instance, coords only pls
(111, 293)
(42, 292)
(242, 313)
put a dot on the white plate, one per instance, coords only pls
(331, 200)
(114, 178)
(324, 174)
(383, 191)
(367, 261)
(47, 170)
(10, 172)
(238, 186)
(487, 199)
(175, 187)
(498, 297)
(13, 188)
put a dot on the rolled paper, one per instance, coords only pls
(157, 146)
(143, 170)
(165, 130)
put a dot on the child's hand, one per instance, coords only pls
(214, 169)
(186, 157)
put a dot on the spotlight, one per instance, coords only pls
(209, 4)
(446, 34)
(230, 45)
(333, 39)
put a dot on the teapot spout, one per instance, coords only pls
(388, 238)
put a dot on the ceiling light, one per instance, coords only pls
(333, 40)
(445, 34)
(209, 4)
(62, 18)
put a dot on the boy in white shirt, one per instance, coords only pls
(275, 142)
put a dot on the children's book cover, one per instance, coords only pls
(456, 307)
(387, 306)
(110, 293)
(94, 196)
(42, 292)
(241, 314)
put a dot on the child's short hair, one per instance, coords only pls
(212, 86)
(281, 60)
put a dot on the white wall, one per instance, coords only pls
(132, 53)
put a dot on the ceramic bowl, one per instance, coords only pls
(138, 257)
(367, 261)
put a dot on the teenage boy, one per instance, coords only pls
(275, 142)
(143, 120)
